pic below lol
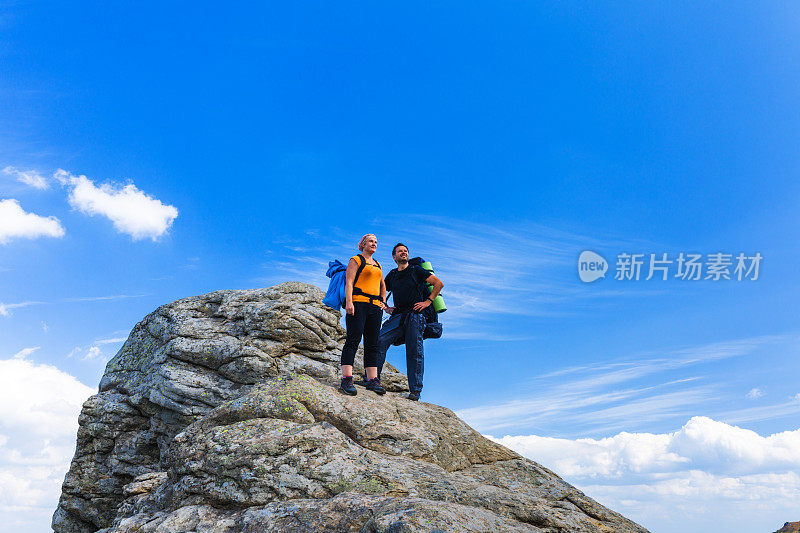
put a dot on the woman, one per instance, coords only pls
(365, 293)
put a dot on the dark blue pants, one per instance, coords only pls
(408, 330)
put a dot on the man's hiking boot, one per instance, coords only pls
(374, 385)
(347, 386)
(413, 396)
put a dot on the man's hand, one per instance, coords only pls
(350, 308)
(419, 306)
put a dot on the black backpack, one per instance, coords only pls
(433, 328)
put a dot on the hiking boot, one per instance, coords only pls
(374, 385)
(347, 386)
(413, 395)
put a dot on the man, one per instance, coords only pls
(407, 322)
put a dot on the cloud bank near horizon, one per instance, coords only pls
(39, 407)
(707, 473)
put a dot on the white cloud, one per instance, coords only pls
(705, 465)
(754, 394)
(39, 398)
(39, 407)
(15, 222)
(29, 177)
(132, 211)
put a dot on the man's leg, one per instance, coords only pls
(389, 334)
(415, 325)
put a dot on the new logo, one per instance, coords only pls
(591, 266)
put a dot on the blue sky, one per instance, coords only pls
(498, 141)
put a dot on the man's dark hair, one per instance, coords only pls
(396, 245)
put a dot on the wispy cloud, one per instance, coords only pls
(5, 309)
(114, 340)
(94, 350)
(491, 272)
(25, 352)
(764, 412)
(608, 396)
(103, 298)
(31, 178)
(754, 394)
(92, 353)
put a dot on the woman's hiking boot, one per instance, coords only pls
(347, 386)
(374, 385)
(413, 396)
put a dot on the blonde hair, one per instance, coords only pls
(363, 241)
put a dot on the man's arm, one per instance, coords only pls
(387, 284)
(384, 303)
(437, 288)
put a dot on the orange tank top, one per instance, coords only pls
(368, 281)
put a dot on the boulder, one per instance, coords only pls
(221, 413)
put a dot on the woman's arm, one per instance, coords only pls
(349, 279)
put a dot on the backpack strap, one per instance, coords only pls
(357, 290)
(360, 269)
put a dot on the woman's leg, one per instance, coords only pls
(355, 329)
(372, 330)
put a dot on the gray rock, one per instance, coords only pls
(221, 413)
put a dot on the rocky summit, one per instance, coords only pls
(221, 413)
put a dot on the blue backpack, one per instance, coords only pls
(335, 296)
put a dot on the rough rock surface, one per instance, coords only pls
(221, 414)
(790, 527)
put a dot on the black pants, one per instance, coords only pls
(367, 322)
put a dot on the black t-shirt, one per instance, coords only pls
(406, 286)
